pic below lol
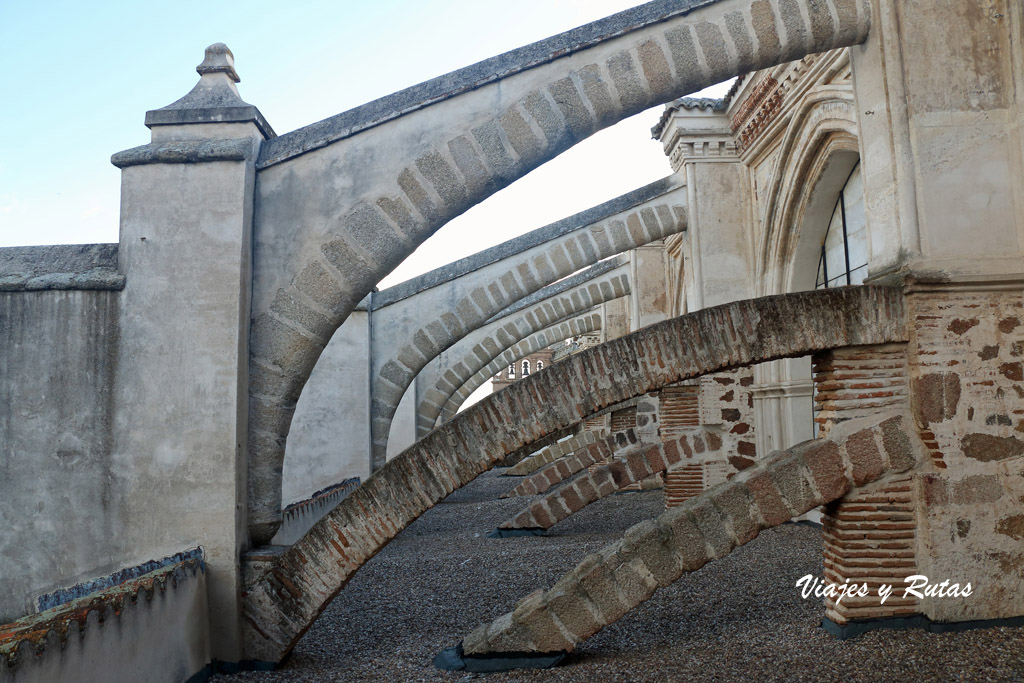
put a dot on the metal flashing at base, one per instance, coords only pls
(454, 659)
(855, 628)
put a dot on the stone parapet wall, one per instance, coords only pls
(156, 623)
(300, 516)
(60, 266)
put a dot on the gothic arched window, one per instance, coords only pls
(844, 251)
(512, 371)
(526, 368)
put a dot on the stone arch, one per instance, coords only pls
(515, 278)
(326, 230)
(609, 583)
(565, 330)
(629, 467)
(552, 466)
(282, 601)
(508, 332)
(822, 131)
(824, 128)
(446, 372)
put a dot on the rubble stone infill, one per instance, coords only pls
(608, 584)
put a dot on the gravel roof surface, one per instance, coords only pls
(738, 618)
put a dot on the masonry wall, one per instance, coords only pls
(965, 362)
(58, 486)
(721, 405)
(329, 439)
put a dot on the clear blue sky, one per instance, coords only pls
(79, 77)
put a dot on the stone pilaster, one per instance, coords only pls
(186, 249)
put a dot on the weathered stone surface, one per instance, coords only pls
(988, 448)
(937, 396)
(864, 456)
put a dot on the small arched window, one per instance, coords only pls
(512, 371)
(540, 365)
(526, 368)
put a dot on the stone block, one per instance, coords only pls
(655, 458)
(504, 635)
(796, 31)
(762, 18)
(989, 448)
(560, 260)
(569, 102)
(571, 499)
(620, 474)
(711, 526)
(586, 489)
(737, 29)
(865, 458)
(686, 540)
(538, 107)
(793, 481)
(288, 306)
(899, 449)
(533, 616)
(636, 229)
(283, 346)
(321, 286)
(650, 542)
(979, 488)
(638, 466)
(656, 70)
(634, 581)
(596, 91)
(822, 25)
(671, 453)
(371, 230)
(419, 197)
(488, 136)
(620, 236)
(937, 396)
(736, 506)
(684, 52)
(828, 469)
(530, 149)
(469, 164)
(545, 520)
(767, 498)
(605, 482)
(571, 606)
(598, 582)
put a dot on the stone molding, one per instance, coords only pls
(187, 152)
